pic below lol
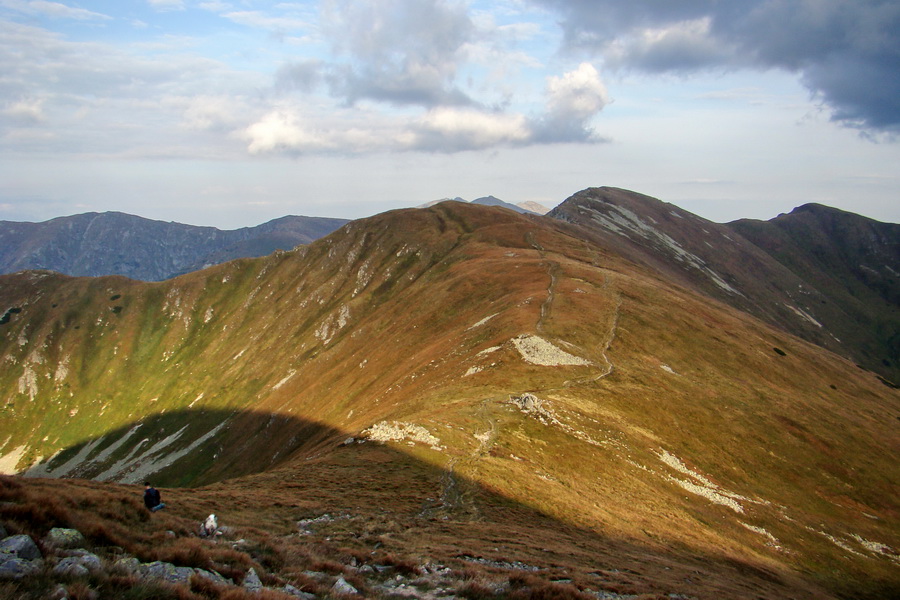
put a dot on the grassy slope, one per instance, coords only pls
(383, 321)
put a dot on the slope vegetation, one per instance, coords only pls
(827, 276)
(520, 371)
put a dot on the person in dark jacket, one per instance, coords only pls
(152, 499)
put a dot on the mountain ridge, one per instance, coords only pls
(740, 263)
(508, 350)
(115, 243)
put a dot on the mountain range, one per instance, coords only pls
(620, 397)
(112, 243)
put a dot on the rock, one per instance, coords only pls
(297, 593)
(64, 538)
(342, 587)
(70, 567)
(129, 565)
(212, 576)
(3, 533)
(60, 593)
(17, 568)
(22, 546)
(159, 571)
(252, 582)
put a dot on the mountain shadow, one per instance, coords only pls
(378, 496)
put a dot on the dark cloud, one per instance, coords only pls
(847, 52)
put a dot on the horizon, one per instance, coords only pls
(229, 113)
(423, 205)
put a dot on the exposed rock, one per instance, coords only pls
(71, 567)
(163, 571)
(342, 587)
(289, 589)
(64, 538)
(252, 581)
(212, 576)
(129, 565)
(22, 546)
(17, 568)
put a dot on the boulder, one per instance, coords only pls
(17, 568)
(22, 546)
(130, 565)
(158, 571)
(64, 538)
(297, 593)
(252, 582)
(342, 587)
(212, 576)
(71, 567)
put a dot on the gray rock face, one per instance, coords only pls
(297, 593)
(129, 565)
(212, 576)
(342, 587)
(64, 538)
(22, 546)
(161, 571)
(17, 568)
(71, 567)
(252, 581)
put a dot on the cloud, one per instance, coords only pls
(403, 52)
(303, 75)
(260, 20)
(25, 112)
(53, 10)
(846, 52)
(573, 99)
(166, 5)
(451, 129)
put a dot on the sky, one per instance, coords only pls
(232, 113)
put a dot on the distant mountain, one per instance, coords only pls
(825, 275)
(522, 207)
(113, 243)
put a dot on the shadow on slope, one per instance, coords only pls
(265, 472)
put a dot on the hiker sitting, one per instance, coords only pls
(152, 499)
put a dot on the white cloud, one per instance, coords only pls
(284, 131)
(53, 10)
(166, 5)
(26, 111)
(205, 112)
(261, 20)
(577, 95)
(452, 129)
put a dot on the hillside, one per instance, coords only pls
(825, 275)
(94, 244)
(544, 397)
(855, 262)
